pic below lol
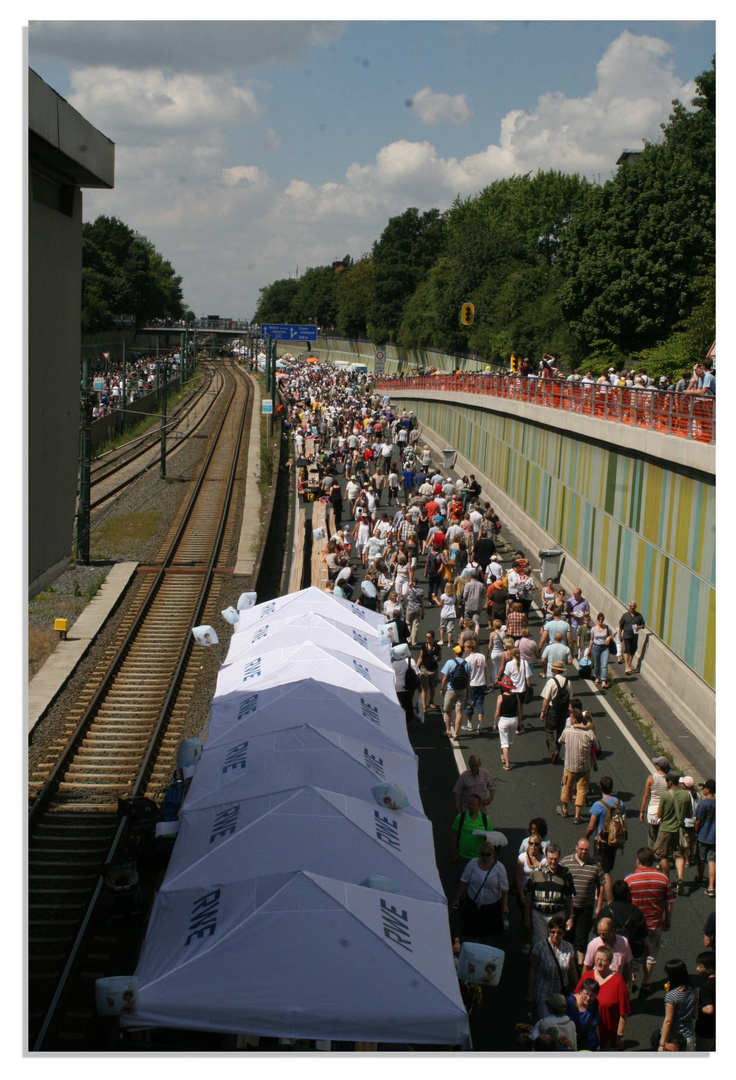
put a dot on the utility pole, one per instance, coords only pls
(273, 390)
(85, 444)
(162, 467)
(123, 391)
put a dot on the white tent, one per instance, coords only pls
(306, 601)
(372, 716)
(285, 635)
(270, 920)
(307, 661)
(304, 829)
(313, 626)
(300, 956)
(302, 756)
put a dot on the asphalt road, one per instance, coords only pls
(530, 789)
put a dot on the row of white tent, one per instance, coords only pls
(297, 903)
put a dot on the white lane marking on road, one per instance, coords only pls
(623, 729)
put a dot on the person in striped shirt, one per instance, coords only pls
(651, 892)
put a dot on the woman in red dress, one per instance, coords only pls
(613, 1000)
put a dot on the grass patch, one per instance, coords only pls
(119, 534)
(41, 643)
(643, 726)
(134, 429)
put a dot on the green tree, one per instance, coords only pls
(354, 296)
(501, 254)
(275, 300)
(402, 257)
(122, 273)
(316, 297)
(634, 255)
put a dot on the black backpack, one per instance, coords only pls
(459, 676)
(561, 701)
(411, 679)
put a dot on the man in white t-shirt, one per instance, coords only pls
(477, 685)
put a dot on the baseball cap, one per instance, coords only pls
(457, 650)
(661, 762)
(673, 776)
(687, 781)
(710, 785)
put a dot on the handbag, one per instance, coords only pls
(563, 978)
(468, 908)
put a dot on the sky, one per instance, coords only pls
(248, 151)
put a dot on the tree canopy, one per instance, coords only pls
(552, 262)
(123, 274)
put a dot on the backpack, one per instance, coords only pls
(459, 677)
(561, 701)
(433, 564)
(613, 831)
(411, 679)
(484, 818)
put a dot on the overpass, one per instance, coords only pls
(632, 507)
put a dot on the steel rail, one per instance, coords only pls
(164, 711)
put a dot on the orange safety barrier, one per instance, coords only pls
(681, 415)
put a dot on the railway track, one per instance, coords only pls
(115, 471)
(119, 743)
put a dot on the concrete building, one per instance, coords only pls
(65, 154)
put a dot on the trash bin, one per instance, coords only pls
(448, 458)
(551, 563)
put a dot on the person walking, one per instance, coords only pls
(507, 717)
(414, 601)
(619, 946)
(483, 897)
(680, 1005)
(549, 891)
(630, 626)
(465, 844)
(474, 781)
(428, 663)
(589, 885)
(473, 597)
(606, 830)
(579, 742)
(555, 707)
(477, 686)
(601, 636)
(455, 678)
(655, 786)
(613, 1000)
(705, 832)
(674, 807)
(552, 968)
(651, 892)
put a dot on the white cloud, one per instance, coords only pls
(229, 230)
(139, 102)
(433, 108)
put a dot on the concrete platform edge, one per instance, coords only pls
(246, 559)
(48, 683)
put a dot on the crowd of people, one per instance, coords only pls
(408, 538)
(138, 379)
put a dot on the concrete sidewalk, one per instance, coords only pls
(48, 683)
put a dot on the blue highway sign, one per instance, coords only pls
(289, 332)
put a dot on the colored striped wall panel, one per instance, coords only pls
(644, 530)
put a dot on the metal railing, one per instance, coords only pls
(686, 416)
